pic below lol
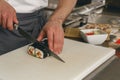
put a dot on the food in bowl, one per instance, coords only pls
(94, 36)
(104, 27)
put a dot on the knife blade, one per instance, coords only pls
(29, 37)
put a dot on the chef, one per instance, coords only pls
(31, 17)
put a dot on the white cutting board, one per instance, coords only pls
(80, 58)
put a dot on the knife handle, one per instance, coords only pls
(15, 26)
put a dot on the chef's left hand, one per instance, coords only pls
(55, 34)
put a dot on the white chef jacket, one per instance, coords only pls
(27, 6)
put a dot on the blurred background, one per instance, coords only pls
(87, 10)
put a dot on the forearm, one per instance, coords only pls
(63, 10)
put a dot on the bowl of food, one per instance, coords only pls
(94, 36)
(105, 27)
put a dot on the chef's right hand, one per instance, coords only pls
(7, 15)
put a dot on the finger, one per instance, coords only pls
(0, 18)
(41, 36)
(4, 20)
(12, 20)
(50, 40)
(61, 42)
(10, 23)
(58, 42)
(15, 19)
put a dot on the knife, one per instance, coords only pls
(29, 37)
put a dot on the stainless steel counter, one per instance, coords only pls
(111, 71)
(104, 71)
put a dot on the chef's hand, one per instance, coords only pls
(7, 15)
(55, 34)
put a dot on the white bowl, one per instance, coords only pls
(94, 38)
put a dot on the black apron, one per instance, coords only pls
(32, 23)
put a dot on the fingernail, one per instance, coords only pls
(57, 52)
(51, 49)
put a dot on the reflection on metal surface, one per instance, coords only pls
(100, 18)
(89, 7)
